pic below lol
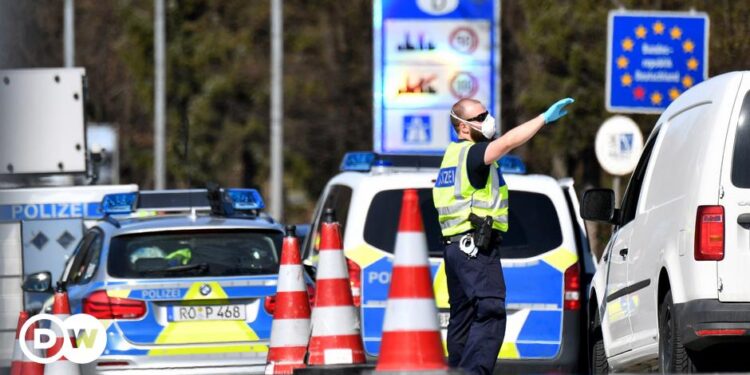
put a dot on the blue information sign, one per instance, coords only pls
(653, 57)
(427, 55)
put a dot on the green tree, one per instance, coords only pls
(218, 86)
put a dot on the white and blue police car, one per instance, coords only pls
(184, 281)
(546, 258)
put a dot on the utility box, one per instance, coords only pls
(42, 123)
(11, 296)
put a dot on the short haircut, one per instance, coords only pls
(459, 110)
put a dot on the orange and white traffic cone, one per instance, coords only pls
(290, 330)
(61, 309)
(30, 367)
(335, 325)
(411, 338)
(18, 356)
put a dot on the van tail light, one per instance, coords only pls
(572, 300)
(269, 303)
(720, 332)
(355, 279)
(101, 306)
(709, 233)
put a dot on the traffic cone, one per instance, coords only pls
(30, 367)
(290, 329)
(61, 309)
(335, 325)
(411, 338)
(18, 357)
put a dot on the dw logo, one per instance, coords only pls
(88, 332)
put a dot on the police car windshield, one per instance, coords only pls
(533, 222)
(198, 253)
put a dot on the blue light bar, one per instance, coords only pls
(360, 161)
(246, 199)
(512, 164)
(120, 203)
(382, 163)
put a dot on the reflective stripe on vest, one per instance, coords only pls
(455, 198)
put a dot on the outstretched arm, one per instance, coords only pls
(522, 133)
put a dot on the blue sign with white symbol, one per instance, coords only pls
(417, 129)
(427, 55)
(653, 57)
(626, 142)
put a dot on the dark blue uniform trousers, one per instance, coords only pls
(476, 292)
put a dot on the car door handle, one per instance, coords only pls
(624, 253)
(744, 221)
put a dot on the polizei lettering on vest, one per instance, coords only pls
(446, 177)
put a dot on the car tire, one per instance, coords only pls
(673, 356)
(598, 363)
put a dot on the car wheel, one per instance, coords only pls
(673, 356)
(598, 358)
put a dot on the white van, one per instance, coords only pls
(673, 285)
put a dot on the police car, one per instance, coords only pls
(182, 280)
(546, 256)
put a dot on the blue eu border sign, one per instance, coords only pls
(428, 54)
(653, 57)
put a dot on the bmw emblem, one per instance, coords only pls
(205, 290)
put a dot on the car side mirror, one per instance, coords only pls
(40, 282)
(599, 205)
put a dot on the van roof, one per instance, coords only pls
(708, 91)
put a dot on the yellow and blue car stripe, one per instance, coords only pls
(535, 293)
(164, 336)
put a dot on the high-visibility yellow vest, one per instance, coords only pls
(455, 198)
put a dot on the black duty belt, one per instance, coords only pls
(452, 239)
(496, 235)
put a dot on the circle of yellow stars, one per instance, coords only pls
(658, 28)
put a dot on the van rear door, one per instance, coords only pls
(735, 181)
(579, 226)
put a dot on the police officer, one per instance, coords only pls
(471, 198)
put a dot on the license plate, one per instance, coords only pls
(443, 318)
(213, 312)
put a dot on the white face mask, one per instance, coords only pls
(488, 128)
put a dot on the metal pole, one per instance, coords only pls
(616, 188)
(277, 128)
(69, 43)
(159, 97)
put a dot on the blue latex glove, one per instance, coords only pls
(556, 110)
